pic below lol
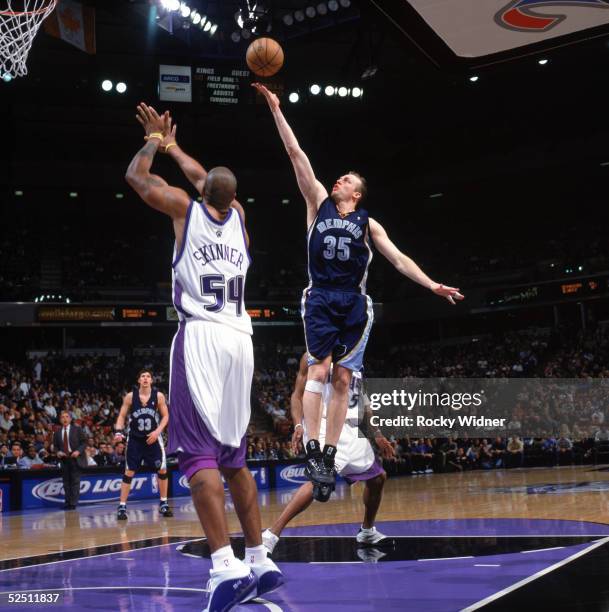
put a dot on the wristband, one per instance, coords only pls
(171, 144)
(298, 425)
(155, 135)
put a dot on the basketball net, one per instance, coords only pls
(19, 23)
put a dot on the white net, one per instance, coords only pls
(19, 23)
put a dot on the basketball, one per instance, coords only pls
(264, 57)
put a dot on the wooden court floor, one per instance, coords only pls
(574, 493)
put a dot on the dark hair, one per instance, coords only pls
(220, 188)
(144, 371)
(363, 185)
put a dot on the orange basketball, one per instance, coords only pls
(264, 57)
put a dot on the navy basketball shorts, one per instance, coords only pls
(153, 455)
(336, 323)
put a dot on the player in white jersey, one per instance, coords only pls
(355, 460)
(211, 358)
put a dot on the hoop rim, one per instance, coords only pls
(49, 7)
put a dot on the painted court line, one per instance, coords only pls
(107, 588)
(547, 570)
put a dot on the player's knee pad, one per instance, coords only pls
(314, 386)
(164, 476)
(322, 492)
(127, 479)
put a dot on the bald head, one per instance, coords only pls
(220, 188)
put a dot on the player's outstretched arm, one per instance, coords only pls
(151, 188)
(313, 191)
(406, 266)
(191, 168)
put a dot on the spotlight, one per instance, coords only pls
(171, 5)
(357, 92)
(542, 62)
(73, 194)
(473, 79)
(185, 10)
(213, 29)
(342, 91)
(322, 9)
(121, 87)
(18, 193)
(310, 12)
(250, 200)
(7, 78)
(315, 89)
(345, 3)
(369, 72)
(119, 196)
(333, 5)
(107, 85)
(299, 15)
(288, 19)
(329, 90)
(294, 97)
(196, 18)
(235, 37)
(203, 20)
(285, 201)
(207, 27)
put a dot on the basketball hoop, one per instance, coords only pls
(19, 23)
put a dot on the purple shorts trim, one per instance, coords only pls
(376, 469)
(188, 436)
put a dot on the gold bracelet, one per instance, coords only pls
(155, 135)
(171, 144)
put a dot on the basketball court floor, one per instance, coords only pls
(531, 539)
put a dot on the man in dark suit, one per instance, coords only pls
(69, 443)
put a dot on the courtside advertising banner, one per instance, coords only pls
(474, 28)
(38, 493)
(180, 483)
(5, 497)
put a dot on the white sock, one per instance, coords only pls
(274, 538)
(224, 558)
(255, 555)
(367, 528)
(163, 499)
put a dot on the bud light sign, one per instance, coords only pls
(290, 475)
(93, 489)
(180, 482)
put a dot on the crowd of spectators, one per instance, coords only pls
(91, 387)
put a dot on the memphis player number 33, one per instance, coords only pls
(144, 424)
(338, 249)
(223, 291)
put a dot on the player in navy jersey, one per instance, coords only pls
(143, 406)
(337, 314)
(212, 358)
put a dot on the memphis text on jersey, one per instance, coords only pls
(352, 228)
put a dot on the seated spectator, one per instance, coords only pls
(514, 456)
(31, 458)
(564, 448)
(498, 452)
(17, 453)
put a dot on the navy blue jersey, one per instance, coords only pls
(338, 249)
(144, 418)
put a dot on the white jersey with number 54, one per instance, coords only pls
(210, 268)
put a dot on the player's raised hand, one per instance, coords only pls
(150, 120)
(169, 131)
(118, 436)
(450, 293)
(270, 97)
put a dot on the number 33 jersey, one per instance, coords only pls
(338, 249)
(210, 268)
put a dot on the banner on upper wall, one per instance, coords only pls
(472, 28)
(41, 493)
(175, 83)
